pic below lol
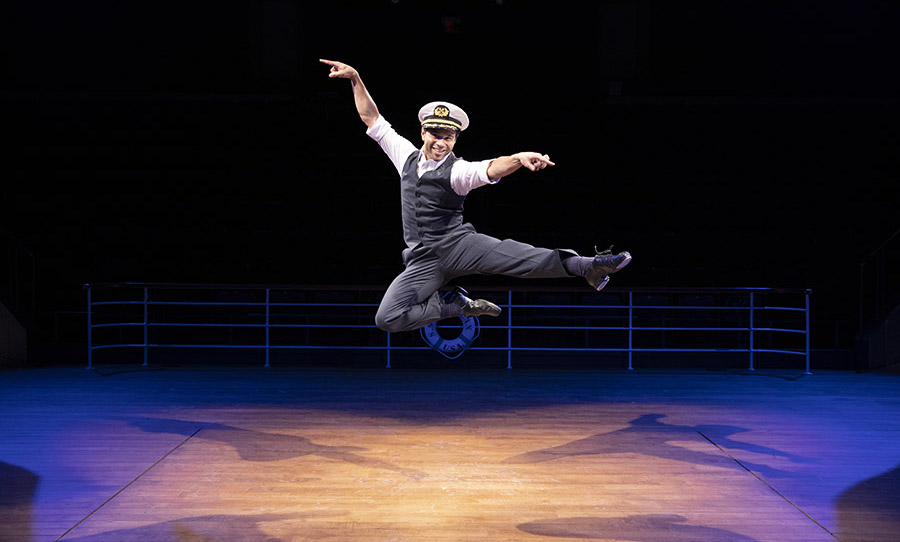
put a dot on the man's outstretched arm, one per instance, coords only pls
(368, 112)
(503, 166)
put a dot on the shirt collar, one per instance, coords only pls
(424, 162)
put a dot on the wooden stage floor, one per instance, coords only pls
(250, 454)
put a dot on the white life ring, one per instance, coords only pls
(452, 348)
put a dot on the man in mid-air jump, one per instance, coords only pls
(440, 246)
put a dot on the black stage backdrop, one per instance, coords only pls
(738, 143)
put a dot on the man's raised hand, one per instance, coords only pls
(339, 69)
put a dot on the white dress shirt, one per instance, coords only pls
(464, 176)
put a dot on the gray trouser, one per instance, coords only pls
(412, 300)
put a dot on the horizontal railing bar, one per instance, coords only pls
(692, 307)
(484, 348)
(262, 346)
(153, 345)
(369, 326)
(233, 303)
(173, 324)
(195, 303)
(354, 326)
(534, 306)
(151, 324)
(656, 328)
(689, 307)
(772, 351)
(211, 303)
(381, 288)
(515, 306)
(593, 328)
(524, 348)
(623, 328)
(280, 304)
(276, 304)
(262, 304)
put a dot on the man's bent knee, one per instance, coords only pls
(384, 323)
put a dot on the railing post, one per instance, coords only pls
(146, 321)
(267, 327)
(90, 329)
(630, 329)
(509, 329)
(807, 333)
(388, 333)
(751, 332)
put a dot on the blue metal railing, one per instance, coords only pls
(741, 311)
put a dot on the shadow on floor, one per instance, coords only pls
(647, 435)
(870, 510)
(202, 529)
(646, 528)
(17, 488)
(261, 446)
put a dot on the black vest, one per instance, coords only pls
(430, 207)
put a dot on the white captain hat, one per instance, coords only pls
(443, 115)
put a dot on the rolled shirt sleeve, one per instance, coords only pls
(467, 176)
(397, 147)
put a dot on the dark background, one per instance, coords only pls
(738, 143)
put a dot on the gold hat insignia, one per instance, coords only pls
(441, 111)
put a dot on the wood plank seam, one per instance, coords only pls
(767, 484)
(126, 486)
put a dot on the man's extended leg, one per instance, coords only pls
(486, 255)
(482, 254)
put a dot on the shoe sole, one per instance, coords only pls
(452, 292)
(604, 283)
(489, 310)
(625, 262)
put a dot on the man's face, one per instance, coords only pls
(438, 142)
